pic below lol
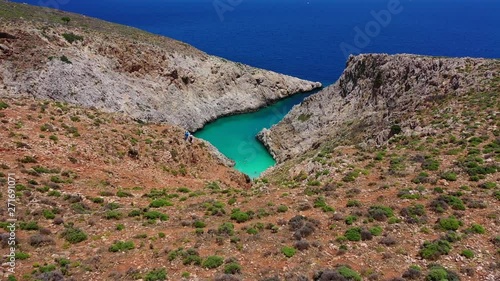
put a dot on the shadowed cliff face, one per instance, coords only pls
(122, 69)
(375, 93)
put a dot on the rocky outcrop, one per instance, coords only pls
(376, 96)
(121, 69)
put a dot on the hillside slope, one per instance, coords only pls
(121, 69)
(102, 197)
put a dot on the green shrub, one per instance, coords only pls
(80, 208)
(496, 194)
(467, 253)
(113, 215)
(397, 165)
(452, 236)
(183, 190)
(449, 176)
(475, 168)
(71, 37)
(380, 213)
(488, 185)
(28, 159)
(320, 202)
(455, 202)
(379, 156)
(351, 176)
(97, 200)
(190, 258)
(376, 230)
(350, 219)
(423, 177)
(65, 60)
(304, 117)
(348, 273)
(135, 213)
(407, 193)
(154, 215)
(433, 250)
(156, 275)
(439, 273)
(122, 194)
(48, 214)
(74, 235)
(353, 234)
(63, 262)
(476, 228)
(121, 246)
(353, 203)
(32, 225)
(3, 105)
(226, 228)
(47, 268)
(393, 220)
(54, 193)
(215, 208)
(450, 223)
(252, 231)
(282, 209)
(430, 164)
(56, 179)
(158, 203)
(120, 227)
(395, 130)
(288, 251)
(232, 268)
(414, 214)
(172, 255)
(22, 256)
(213, 185)
(314, 183)
(199, 224)
(240, 216)
(212, 262)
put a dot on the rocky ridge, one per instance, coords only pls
(120, 69)
(376, 94)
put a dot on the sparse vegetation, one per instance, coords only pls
(98, 184)
(122, 246)
(288, 251)
(74, 235)
(71, 37)
(212, 262)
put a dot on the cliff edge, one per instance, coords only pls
(60, 56)
(377, 96)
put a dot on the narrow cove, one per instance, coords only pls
(235, 136)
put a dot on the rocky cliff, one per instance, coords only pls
(377, 96)
(120, 69)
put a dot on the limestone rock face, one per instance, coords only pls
(121, 69)
(375, 93)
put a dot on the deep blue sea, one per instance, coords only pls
(302, 37)
(309, 39)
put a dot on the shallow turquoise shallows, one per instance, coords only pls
(235, 136)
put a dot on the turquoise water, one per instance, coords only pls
(235, 136)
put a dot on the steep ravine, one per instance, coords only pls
(375, 93)
(122, 69)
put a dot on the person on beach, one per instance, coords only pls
(186, 135)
